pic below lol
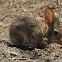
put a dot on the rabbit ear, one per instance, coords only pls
(49, 16)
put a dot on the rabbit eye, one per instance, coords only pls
(55, 32)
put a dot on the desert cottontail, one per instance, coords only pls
(27, 31)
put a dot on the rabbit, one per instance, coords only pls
(29, 32)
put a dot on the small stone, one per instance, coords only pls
(1, 24)
(25, 10)
(1, 18)
(13, 53)
(61, 47)
(13, 58)
(57, 55)
(48, 60)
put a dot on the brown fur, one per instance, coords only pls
(27, 31)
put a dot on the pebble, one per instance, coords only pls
(48, 60)
(1, 24)
(13, 53)
(1, 18)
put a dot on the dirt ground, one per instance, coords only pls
(11, 9)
